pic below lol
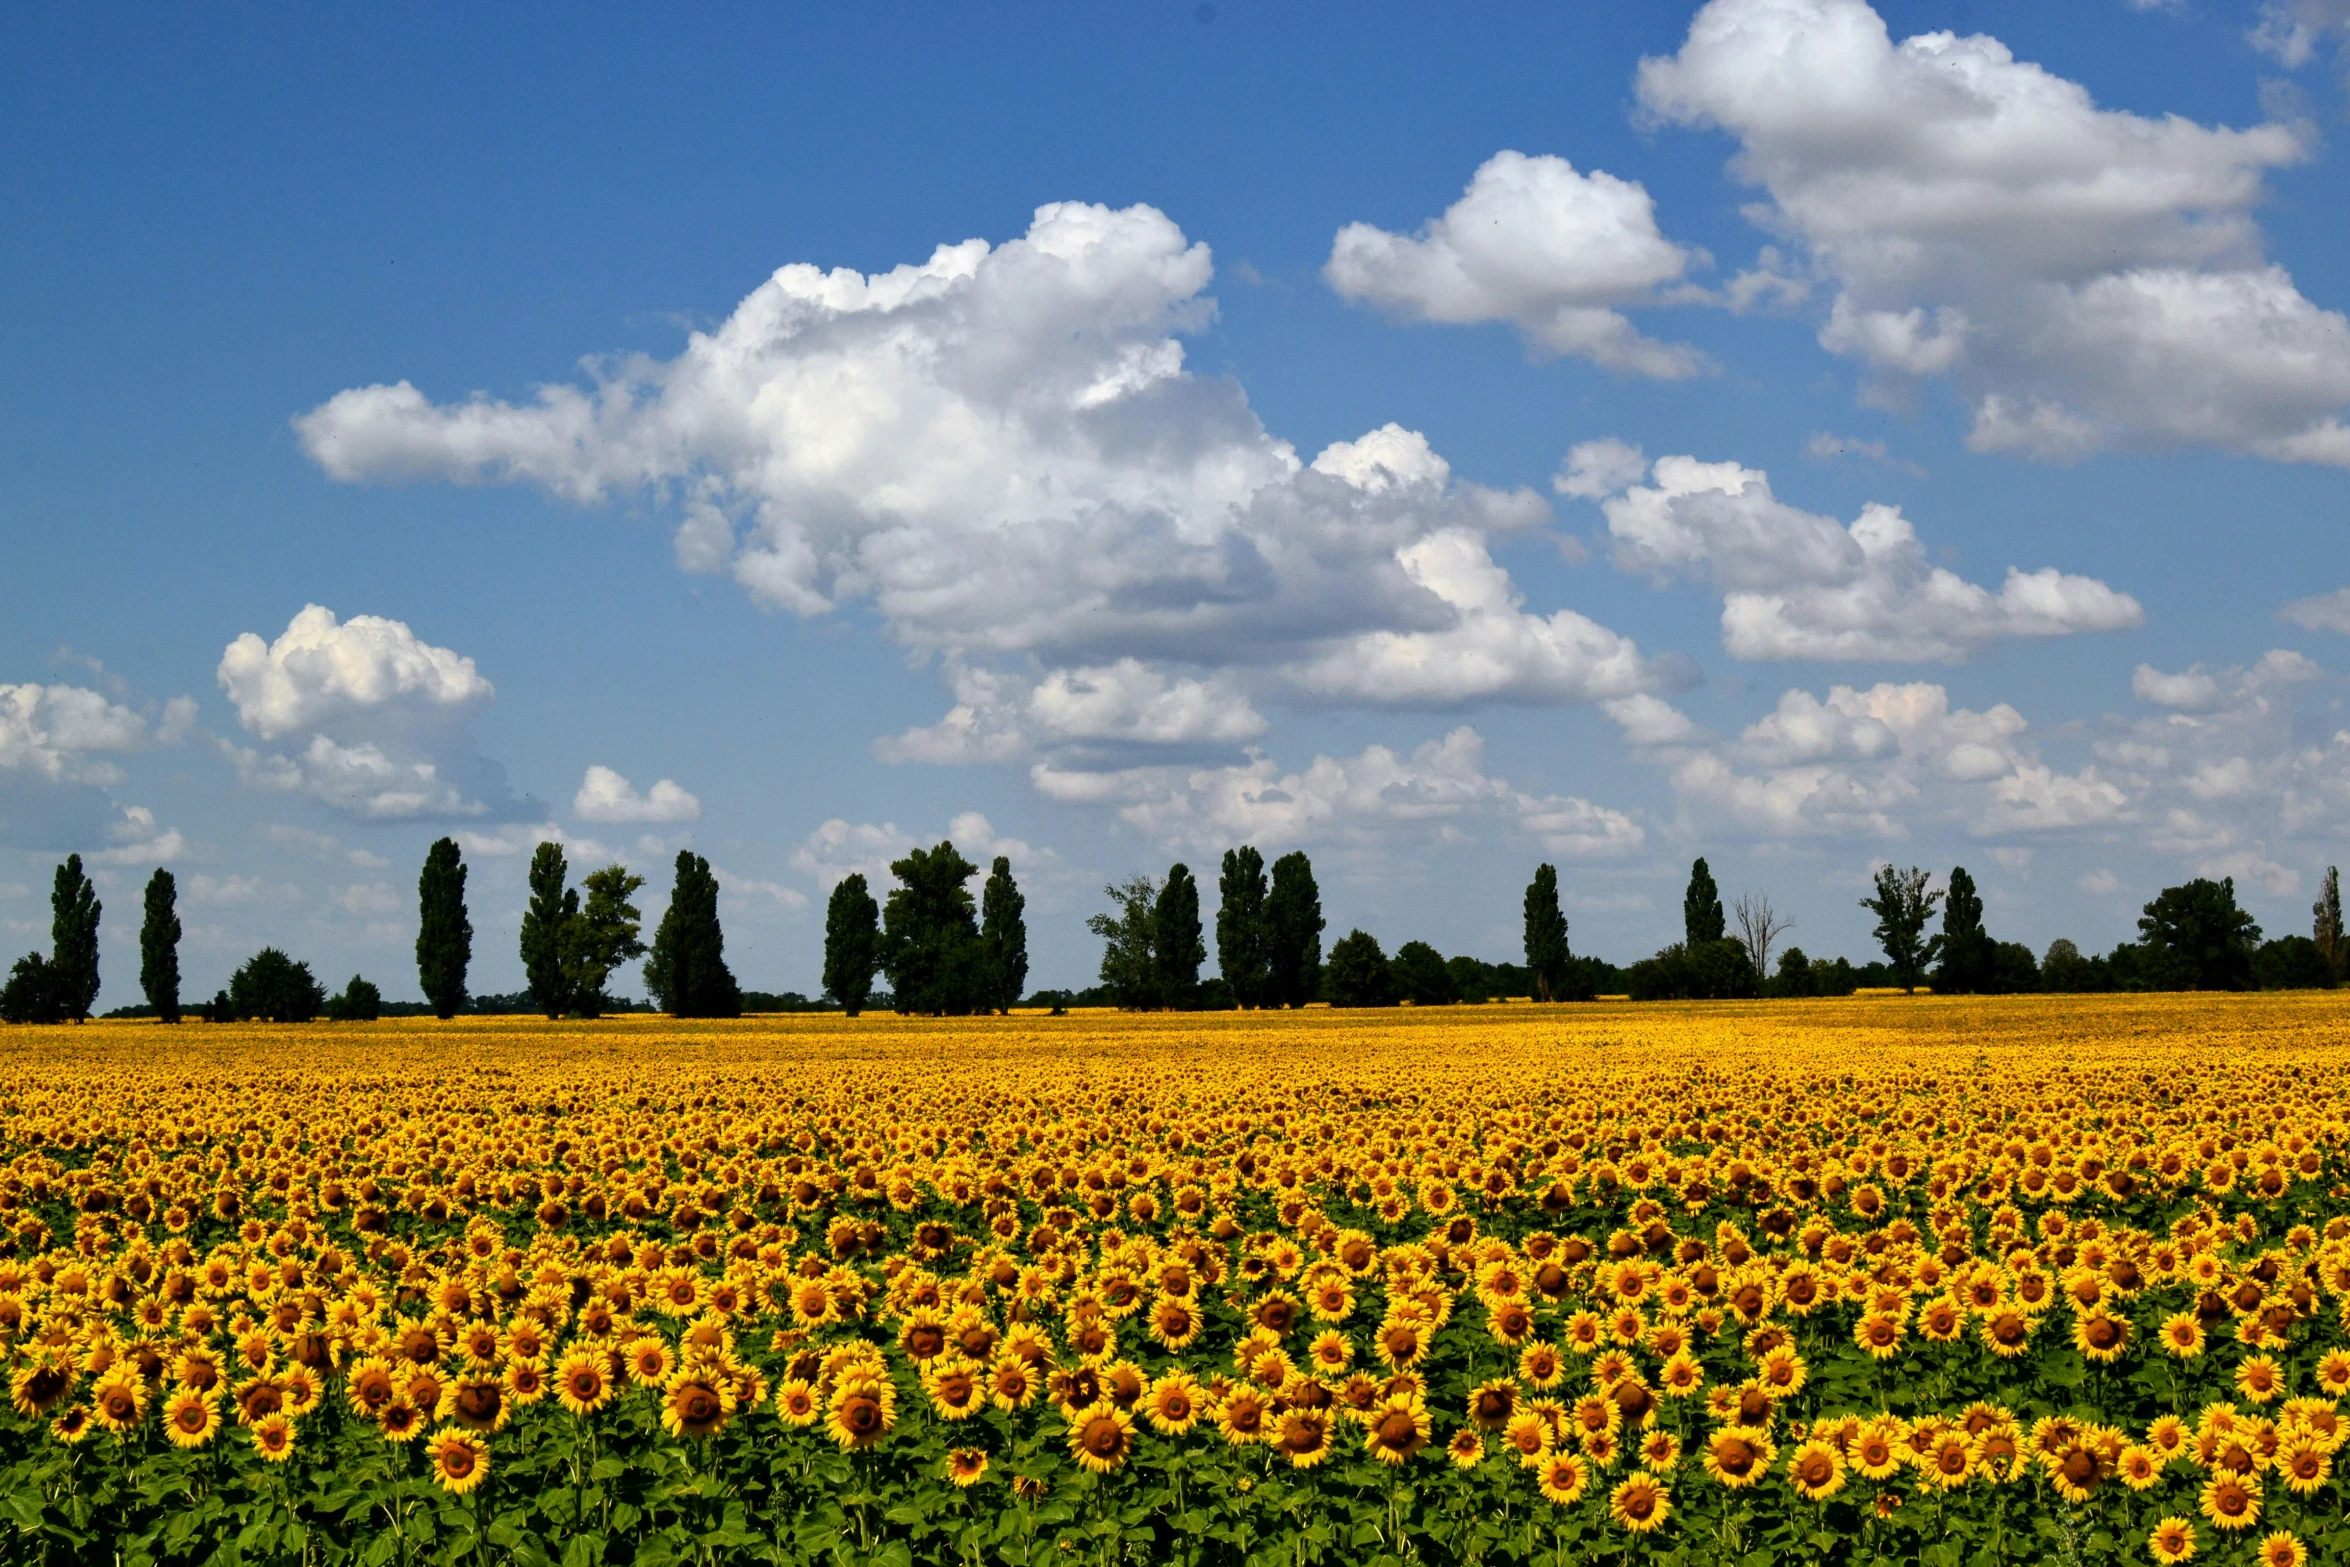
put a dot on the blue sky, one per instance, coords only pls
(1799, 434)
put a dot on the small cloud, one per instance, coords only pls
(605, 796)
(1824, 447)
(2323, 612)
(2100, 882)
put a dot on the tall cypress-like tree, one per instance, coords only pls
(444, 934)
(1546, 935)
(73, 940)
(1179, 949)
(2326, 925)
(159, 947)
(929, 937)
(1968, 951)
(1242, 955)
(1003, 937)
(1293, 929)
(852, 943)
(687, 971)
(544, 921)
(1702, 919)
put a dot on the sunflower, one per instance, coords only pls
(460, 1461)
(1174, 1323)
(1680, 1376)
(273, 1438)
(583, 1381)
(1401, 1342)
(1563, 1478)
(1397, 1430)
(1816, 1470)
(303, 1390)
(369, 1386)
(966, 1465)
(1101, 1437)
(400, 1420)
(1738, 1458)
(190, 1418)
(956, 1387)
(1012, 1382)
(1243, 1417)
(696, 1404)
(797, 1403)
(2304, 1465)
(2231, 1501)
(1173, 1404)
(119, 1401)
(2172, 1541)
(1879, 1333)
(2260, 1379)
(39, 1387)
(1876, 1448)
(2282, 1548)
(1331, 1352)
(2333, 1372)
(1303, 1435)
(649, 1362)
(2139, 1467)
(1660, 1452)
(1640, 1504)
(1540, 1365)
(1492, 1403)
(2181, 1336)
(1530, 1435)
(863, 1409)
(73, 1425)
(476, 1402)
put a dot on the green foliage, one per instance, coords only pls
(1130, 966)
(30, 996)
(544, 919)
(1718, 970)
(1357, 974)
(444, 933)
(930, 935)
(273, 988)
(73, 940)
(686, 972)
(159, 947)
(1003, 936)
(2325, 928)
(2291, 963)
(1903, 903)
(1702, 919)
(1293, 933)
(1546, 935)
(1177, 950)
(852, 943)
(1969, 955)
(2197, 938)
(1243, 950)
(1421, 976)
(360, 1002)
(599, 937)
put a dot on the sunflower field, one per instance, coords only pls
(1879, 1279)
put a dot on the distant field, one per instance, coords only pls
(1884, 1277)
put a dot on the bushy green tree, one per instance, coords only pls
(1358, 974)
(1003, 937)
(600, 936)
(444, 932)
(1903, 903)
(544, 920)
(1421, 976)
(30, 996)
(1243, 953)
(360, 1002)
(2196, 938)
(1546, 935)
(2291, 963)
(1293, 933)
(686, 972)
(930, 935)
(852, 943)
(159, 947)
(73, 940)
(1130, 935)
(1702, 919)
(1177, 950)
(273, 988)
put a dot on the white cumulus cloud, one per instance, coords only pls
(2088, 278)
(605, 796)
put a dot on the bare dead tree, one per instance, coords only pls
(1759, 928)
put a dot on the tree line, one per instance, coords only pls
(946, 953)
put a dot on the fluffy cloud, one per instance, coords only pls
(2292, 30)
(377, 716)
(1002, 450)
(2322, 612)
(1537, 244)
(1435, 792)
(2089, 278)
(841, 848)
(605, 796)
(58, 750)
(1798, 585)
(65, 734)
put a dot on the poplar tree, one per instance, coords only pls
(687, 971)
(544, 921)
(1546, 935)
(1241, 939)
(1003, 937)
(852, 943)
(1293, 933)
(1702, 919)
(2326, 925)
(1178, 951)
(930, 937)
(444, 935)
(73, 940)
(159, 947)
(1967, 949)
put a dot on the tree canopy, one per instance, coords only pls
(1903, 903)
(1546, 935)
(686, 972)
(1243, 954)
(159, 947)
(930, 934)
(444, 933)
(852, 943)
